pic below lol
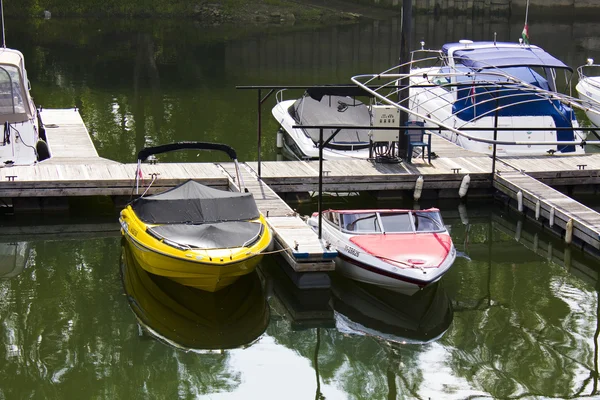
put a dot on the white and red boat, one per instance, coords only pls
(403, 250)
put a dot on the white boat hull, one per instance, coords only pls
(437, 103)
(301, 144)
(588, 89)
(20, 149)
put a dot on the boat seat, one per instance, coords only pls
(416, 138)
(220, 235)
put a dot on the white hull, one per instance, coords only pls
(20, 149)
(303, 144)
(588, 89)
(437, 103)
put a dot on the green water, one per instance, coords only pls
(516, 316)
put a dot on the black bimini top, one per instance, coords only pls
(193, 203)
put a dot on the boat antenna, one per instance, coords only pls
(3, 31)
(525, 33)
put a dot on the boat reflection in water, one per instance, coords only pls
(369, 310)
(190, 318)
(13, 258)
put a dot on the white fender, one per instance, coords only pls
(464, 186)
(418, 188)
(551, 219)
(279, 139)
(520, 201)
(538, 208)
(569, 232)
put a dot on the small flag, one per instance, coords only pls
(525, 34)
(138, 176)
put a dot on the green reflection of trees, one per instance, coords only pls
(522, 325)
(66, 331)
(364, 367)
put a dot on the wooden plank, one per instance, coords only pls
(297, 242)
(586, 222)
(67, 135)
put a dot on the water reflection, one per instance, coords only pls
(193, 319)
(14, 257)
(173, 80)
(364, 309)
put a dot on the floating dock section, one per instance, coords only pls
(544, 202)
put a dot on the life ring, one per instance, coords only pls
(42, 149)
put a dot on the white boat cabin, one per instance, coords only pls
(16, 104)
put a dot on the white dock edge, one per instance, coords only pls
(586, 222)
(305, 252)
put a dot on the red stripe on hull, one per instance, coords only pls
(385, 273)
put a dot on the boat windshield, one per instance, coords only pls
(393, 222)
(11, 93)
(363, 222)
(428, 221)
(396, 222)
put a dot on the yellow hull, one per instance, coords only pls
(206, 269)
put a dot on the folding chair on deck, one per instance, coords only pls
(416, 138)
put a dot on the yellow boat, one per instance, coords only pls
(193, 234)
(193, 319)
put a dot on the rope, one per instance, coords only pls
(269, 252)
(149, 185)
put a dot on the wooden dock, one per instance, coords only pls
(555, 207)
(76, 169)
(295, 240)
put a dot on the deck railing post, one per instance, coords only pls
(320, 180)
(495, 137)
(259, 130)
(403, 93)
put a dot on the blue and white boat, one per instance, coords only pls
(512, 86)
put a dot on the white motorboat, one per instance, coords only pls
(23, 139)
(402, 250)
(477, 86)
(588, 89)
(324, 106)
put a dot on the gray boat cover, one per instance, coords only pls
(194, 203)
(223, 235)
(334, 110)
